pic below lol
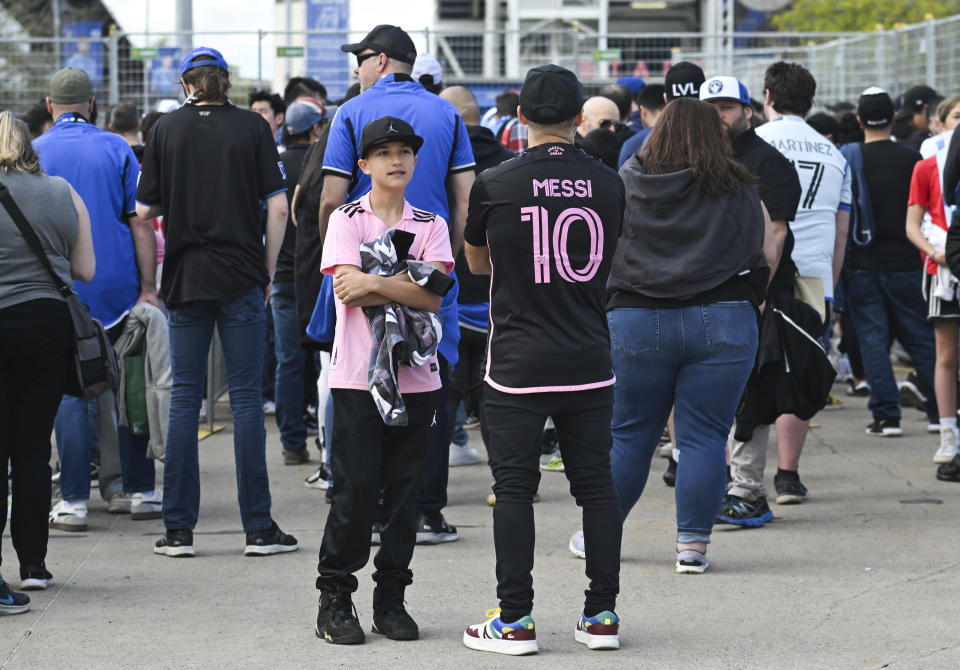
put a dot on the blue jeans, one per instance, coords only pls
(697, 360)
(884, 305)
(290, 366)
(76, 430)
(460, 436)
(139, 473)
(241, 323)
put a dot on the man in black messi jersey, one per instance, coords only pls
(545, 227)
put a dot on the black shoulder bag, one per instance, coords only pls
(94, 370)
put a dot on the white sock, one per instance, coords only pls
(948, 422)
(676, 454)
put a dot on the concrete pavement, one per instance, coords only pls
(863, 575)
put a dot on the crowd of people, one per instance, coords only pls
(662, 269)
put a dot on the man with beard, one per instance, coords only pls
(779, 189)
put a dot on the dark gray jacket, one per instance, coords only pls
(679, 241)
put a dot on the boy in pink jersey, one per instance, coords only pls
(370, 455)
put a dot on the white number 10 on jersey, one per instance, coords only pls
(540, 220)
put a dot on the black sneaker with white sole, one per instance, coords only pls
(176, 543)
(789, 489)
(435, 530)
(910, 395)
(270, 541)
(35, 577)
(885, 428)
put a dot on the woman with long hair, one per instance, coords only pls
(689, 275)
(35, 342)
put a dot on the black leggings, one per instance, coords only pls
(35, 346)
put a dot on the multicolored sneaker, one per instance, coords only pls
(552, 461)
(599, 632)
(514, 639)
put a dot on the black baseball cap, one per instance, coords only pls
(551, 94)
(683, 80)
(914, 99)
(875, 108)
(388, 129)
(392, 41)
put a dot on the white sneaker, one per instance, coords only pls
(465, 455)
(269, 407)
(577, 547)
(146, 505)
(691, 562)
(948, 445)
(119, 503)
(318, 480)
(69, 516)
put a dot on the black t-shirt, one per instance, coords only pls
(779, 189)
(209, 167)
(914, 140)
(889, 169)
(551, 218)
(292, 160)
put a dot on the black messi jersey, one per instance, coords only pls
(551, 218)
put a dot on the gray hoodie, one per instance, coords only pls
(679, 241)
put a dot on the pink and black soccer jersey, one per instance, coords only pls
(551, 218)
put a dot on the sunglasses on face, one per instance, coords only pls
(363, 57)
(610, 124)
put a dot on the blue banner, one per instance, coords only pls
(86, 51)
(165, 73)
(325, 62)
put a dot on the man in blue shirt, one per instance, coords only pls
(384, 63)
(102, 168)
(445, 164)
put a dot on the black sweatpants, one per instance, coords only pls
(466, 381)
(35, 349)
(582, 419)
(432, 497)
(367, 456)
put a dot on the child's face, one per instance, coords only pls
(389, 165)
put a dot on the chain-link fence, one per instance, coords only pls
(143, 68)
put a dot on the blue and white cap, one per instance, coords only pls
(724, 88)
(213, 57)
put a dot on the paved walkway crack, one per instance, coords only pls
(27, 633)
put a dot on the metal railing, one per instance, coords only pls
(143, 68)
